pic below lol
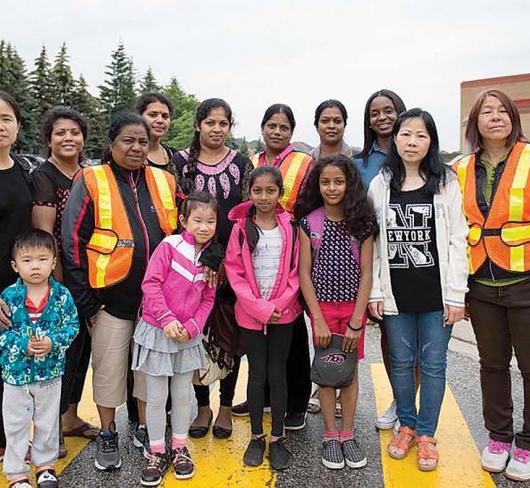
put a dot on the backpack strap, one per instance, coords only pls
(315, 220)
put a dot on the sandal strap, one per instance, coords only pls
(404, 439)
(425, 448)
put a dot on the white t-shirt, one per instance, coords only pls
(266, 260)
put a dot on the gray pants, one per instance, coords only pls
(22, 404)
(157, 391)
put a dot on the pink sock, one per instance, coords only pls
(158, 447)
(328, 436)
(345, 435)
(178, 442)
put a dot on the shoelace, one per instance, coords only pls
(155, 461)
(498, 447)
(180, 453)
(521, 455)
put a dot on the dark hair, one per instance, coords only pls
(121, 120)
(203, 110)
(431, 169)
(251, 229)
(330, 104)
(7, 98)
(61, 112)
(193, 200)
(144, 100)
(369, 134)
(33, 238)
(358, 210)
(473, 136)
(279, 108)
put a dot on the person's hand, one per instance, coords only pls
(322, 333)
(172, 330)
(211, 277)
(351, 337)
(376, 310)
(276, 315)
(5, 313)
(39, 348)
(182, 334)
(453, 314)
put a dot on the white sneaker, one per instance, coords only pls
(518, 468)
(396, 427)
(388, 419)
(495, 456)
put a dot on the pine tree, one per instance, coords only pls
(14, 80)
(117, 92)
(181, 130)
(90, 107)
(41, 84)
(62, 79)
(182, 101)
(149, 84)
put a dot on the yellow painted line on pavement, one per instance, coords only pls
(74, 445)
(459, 464)
(219, 462)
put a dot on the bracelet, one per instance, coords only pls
(355, 329)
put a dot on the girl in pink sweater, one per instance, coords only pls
(262, 267)
(167, 342)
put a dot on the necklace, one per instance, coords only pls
(65, 170)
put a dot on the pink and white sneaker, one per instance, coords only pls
(518, 468)
(495, 456)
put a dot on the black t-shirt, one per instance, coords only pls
(412, 252)
(15, 217)
(227, 181)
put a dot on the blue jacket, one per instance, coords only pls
(58, 321)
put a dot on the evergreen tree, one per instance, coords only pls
(90, 107)
(182, 101)
(62, 79)
(181, 130)
(243, 147)
(117, 92)
(41, 85)
(149, 84)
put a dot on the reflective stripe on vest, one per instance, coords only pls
(293, 169)
(111, 246)
(504, 236)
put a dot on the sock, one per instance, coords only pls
(158, 447)
(178, 441)
(328, 436)
(345, 435)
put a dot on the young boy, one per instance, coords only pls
(43, 324)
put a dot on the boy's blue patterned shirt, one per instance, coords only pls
(58, 321)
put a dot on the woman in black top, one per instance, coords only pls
(64, 131)
(15, 208)
(157, 110)
(210, 165)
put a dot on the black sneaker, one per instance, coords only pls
(141, 440)
(332, 456)
(254, 453)
(241, 410)
(183, 467)
(295, 421)
(107, 450)
(153, 473)
(47, 479)
(279, 456)
(354, 454)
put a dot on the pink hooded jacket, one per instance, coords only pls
(174, 286)
(252, 311)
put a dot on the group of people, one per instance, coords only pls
(166, 267)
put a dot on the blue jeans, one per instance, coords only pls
(418, 337)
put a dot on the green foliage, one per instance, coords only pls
(149, 84)
(42, 85)
(62, 80)
(181, 131)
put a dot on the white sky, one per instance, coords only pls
(254, 53)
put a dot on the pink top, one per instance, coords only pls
(252, 311)
(174, 286)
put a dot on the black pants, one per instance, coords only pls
(298, 369)
(267, 360)
(500, 317)
(227, 388)
(75, 368)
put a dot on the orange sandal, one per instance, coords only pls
(427, 452)
(403, 440)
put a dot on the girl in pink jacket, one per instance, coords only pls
(167, 342)
(262, 267)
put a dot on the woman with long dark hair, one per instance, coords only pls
(210, 165)
(495, 188)
(420, 276)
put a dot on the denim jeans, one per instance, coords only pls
(418, 337)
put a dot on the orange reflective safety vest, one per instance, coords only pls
(111, 246)
(293, 168)
(503, 235)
